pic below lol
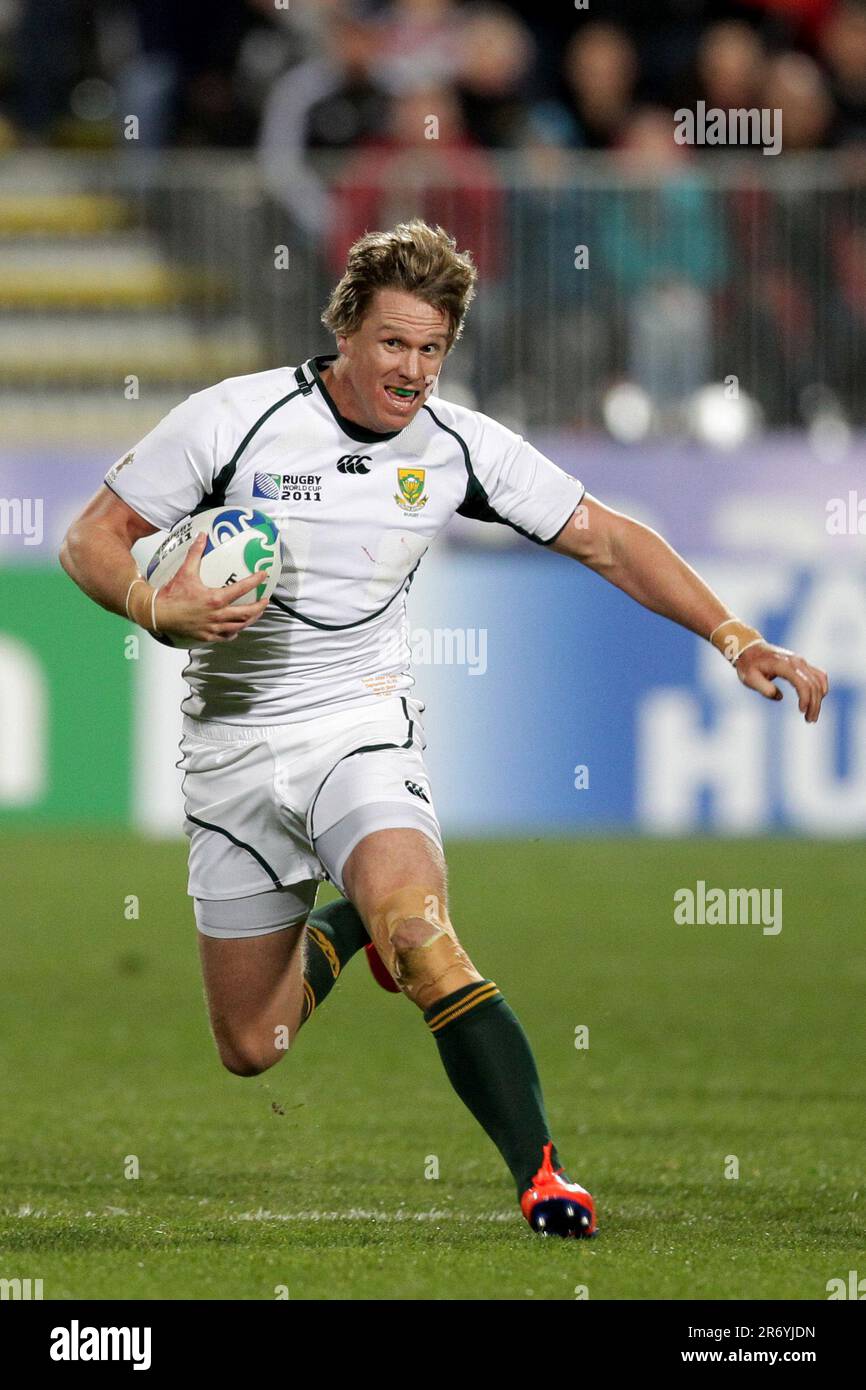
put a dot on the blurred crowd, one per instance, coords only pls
(335, 74)
(363, 111)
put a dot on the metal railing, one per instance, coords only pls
(177, 270)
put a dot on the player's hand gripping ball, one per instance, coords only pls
(241, 541)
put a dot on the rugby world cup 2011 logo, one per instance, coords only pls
(267, 485)
(261, 548)
(411, 497)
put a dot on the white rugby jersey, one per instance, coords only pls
(356, 512)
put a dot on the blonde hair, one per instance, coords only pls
(413, 256)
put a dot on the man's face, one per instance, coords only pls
(389, 366)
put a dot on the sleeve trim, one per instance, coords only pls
(560, 529)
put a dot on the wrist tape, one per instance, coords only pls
(141, 605)
(732, 638)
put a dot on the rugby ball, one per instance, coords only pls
(240, 542)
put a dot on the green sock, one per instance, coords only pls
(334, 933)
(489, 1063)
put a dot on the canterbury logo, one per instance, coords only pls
(354, 463)
(417, 791)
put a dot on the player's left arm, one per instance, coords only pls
(640, 562)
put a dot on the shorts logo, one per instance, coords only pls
(354, 463)
(417, 791)
(288, 487)
(411, 484)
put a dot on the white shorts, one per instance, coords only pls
(272, 810)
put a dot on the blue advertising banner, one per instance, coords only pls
(565, 705)
(554, 703)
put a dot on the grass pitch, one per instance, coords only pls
(706, 1044)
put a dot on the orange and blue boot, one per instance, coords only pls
(553, 1206)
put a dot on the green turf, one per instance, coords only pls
(704, 1042)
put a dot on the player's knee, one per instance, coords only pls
(410, 936)
(248, 1056)
(240, 1065)
(415, 938)
(429, 964)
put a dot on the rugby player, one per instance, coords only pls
(302, 748)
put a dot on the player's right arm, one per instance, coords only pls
(97, 555)
(159, 482)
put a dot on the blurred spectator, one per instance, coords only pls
(409, 97)
(416, 44)
(665, 34)
(559, 358)
(495, 59)
(331, 102)
(843, 48)
(180, 82)
(798, 20)
(844, 363)
(663, 245)
(309, 20)
(784, 310)
(796, 86)
(427, 165)
(601, 68)
(731, 66)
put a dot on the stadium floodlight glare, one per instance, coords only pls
(828, 429)
(627, 412)
(829, 436)
(722, 420)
